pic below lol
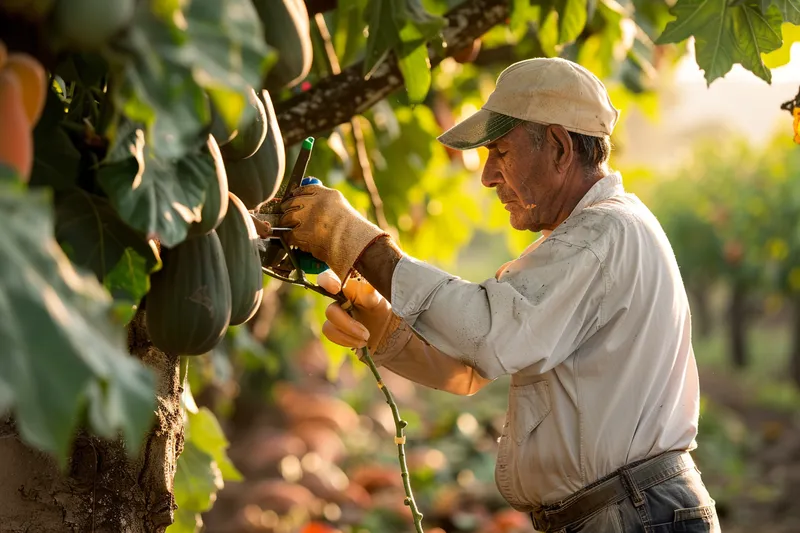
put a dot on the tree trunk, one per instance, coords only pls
(795, 360)
(737, 322)
(703, 321)
(101, 489)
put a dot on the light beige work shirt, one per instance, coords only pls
(593, 324)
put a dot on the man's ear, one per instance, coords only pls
(561, 142)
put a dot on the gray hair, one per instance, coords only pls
(593, 152)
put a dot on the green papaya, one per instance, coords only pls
(189, 303)
(248, 138)
(209, 163)
(239, 240)
(287, 30)
(256, 179)
(88, 24)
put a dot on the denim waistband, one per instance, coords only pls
(627, 482)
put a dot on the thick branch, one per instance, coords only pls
(336, 99)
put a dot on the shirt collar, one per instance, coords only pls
(606, 187)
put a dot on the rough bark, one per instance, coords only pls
(336, 99)
(737, 321)
(102, 489)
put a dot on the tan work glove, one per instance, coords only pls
(372, 318)
(324, 224)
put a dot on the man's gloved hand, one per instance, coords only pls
(372, 316)
(324, 224)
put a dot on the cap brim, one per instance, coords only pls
(478, 130)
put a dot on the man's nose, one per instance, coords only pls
(491, 176)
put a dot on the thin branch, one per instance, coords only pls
(399, 423)
(355, 128)
(399, 439)
(336, 99)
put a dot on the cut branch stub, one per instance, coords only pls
(335, 99)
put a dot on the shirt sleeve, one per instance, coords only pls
(543, 306)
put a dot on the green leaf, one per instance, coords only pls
(197, 479)
(55, 158)
(211, 44)
(59, 347)
(205, 432)
(150, 194)
(96, 237)
(382, 34)
(726, 34)
(416, 26)
(571, 19)
(416, 69)
(403, 27)
(790, 9)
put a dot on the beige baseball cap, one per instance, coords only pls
(543, 90)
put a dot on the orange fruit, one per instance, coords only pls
(16, 140)
(33, 83)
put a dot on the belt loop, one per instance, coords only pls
(632, 488)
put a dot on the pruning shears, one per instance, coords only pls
(275, 252)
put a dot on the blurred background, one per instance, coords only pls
(311, 433)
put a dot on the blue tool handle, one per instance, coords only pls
(308, 263)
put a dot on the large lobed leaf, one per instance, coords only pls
(181, 50)
(726, 34)
(60, 350)
(155, 196)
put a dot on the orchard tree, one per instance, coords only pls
(132, 243)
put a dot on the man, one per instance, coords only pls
(591, 321)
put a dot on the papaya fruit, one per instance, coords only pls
(248, 138)
(16, 139)
(88, 24)
(209, 163)
(256, 179)
(189, 303)
(239, 240)
(33, 82)
(287, 30)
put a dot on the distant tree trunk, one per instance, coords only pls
(101, 490)
(737, 322)
(795, 359)
(703, 322)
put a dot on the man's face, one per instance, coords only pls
(534, 185)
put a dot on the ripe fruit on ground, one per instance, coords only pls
(215, 204)
(248, 137)
(88, 24)
(256, 179)
(189, 303)
(286, 28)
(239, 240)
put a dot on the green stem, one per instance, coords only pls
(400, 439)
(399, 423)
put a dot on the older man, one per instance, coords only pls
(591, 321)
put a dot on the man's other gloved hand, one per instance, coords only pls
(372, 316)
(324, 224)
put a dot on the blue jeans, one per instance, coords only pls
(664, 494)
